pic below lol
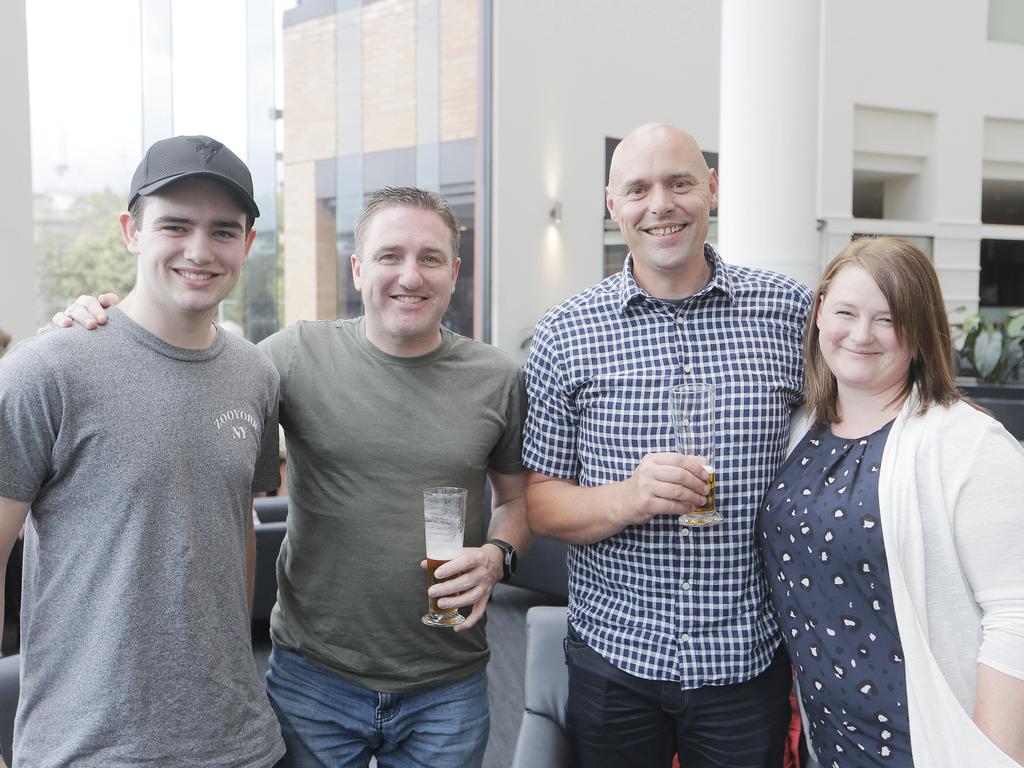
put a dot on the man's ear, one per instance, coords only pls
(455, 271)
(713, 188)
(249, 240)
(130, 232)
(357, 271)
(609, 201)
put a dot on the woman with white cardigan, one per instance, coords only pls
(893, 535)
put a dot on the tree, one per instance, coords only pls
(80, 251)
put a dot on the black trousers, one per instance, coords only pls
(617, 720)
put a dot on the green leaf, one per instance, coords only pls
(1012, 354)
(970, 323)
(1015, 323)
(988, 349)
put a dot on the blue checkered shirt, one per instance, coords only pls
(662, 601)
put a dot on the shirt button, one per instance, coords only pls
(687, 368)
(684, 638)
(685, 531)
(679, 319)
(686, 586)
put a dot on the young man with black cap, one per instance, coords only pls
(135, 635)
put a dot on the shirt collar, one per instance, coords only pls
(721, 281)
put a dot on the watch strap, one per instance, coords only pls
(508, 560)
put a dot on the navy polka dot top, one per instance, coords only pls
(829, 579)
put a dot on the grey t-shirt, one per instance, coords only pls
(367, 432)
(139, 459)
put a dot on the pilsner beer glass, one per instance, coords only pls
(444, 518)
(693, 419)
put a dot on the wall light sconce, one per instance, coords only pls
(556, 213)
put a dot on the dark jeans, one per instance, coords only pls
(617, 720)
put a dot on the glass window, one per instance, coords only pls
(404, 112)
(1001, 283)
(1006, 21)
(98, 99)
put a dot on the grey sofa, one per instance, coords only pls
(542, 741)
(272, 514)
(10, 688)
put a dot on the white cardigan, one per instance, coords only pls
(951, 502)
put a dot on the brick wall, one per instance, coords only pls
(460, 30)
(309, 87)
(310, 275)
(389, 75)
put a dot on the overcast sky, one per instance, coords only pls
(85, 85)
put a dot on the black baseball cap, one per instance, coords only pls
(170, 160)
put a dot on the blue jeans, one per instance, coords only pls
(331, 723)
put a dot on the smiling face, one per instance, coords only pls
(406, 274)
(191, 244)
(660, 192)
(857, 338)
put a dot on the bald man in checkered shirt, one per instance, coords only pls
(671, 644)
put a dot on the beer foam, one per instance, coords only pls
(443, 548)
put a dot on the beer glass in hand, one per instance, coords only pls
(693, 419)
(444, 517)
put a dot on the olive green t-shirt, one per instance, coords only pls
(366, 433)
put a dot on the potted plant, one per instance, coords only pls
(993, 353)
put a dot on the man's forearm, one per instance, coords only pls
(662, 484)
(562, 510)
(508, 523)
(508, 511)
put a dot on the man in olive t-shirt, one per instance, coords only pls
(375, 410)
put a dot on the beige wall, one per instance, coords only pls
(19, 309)
(567, 74)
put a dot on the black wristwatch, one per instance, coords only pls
(510, 558)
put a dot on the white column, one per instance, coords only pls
(768, 149)
(19, 305)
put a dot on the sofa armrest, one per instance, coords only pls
(542, 742)
(268, 545)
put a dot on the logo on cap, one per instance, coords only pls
(206, 149)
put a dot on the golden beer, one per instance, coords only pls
(705, 514)
(444, 616)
